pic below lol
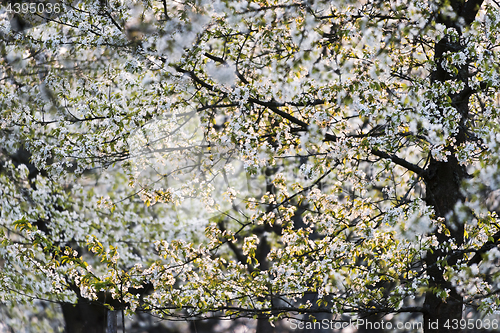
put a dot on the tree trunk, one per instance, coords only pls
(84, 317)
(111, 324)
(263, 325)
(443, 180)
(443, 192)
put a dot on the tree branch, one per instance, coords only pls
(273, 106)
(485, 248)
(399, 161)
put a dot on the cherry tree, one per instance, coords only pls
(258, 159)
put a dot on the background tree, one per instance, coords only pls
(369, 138)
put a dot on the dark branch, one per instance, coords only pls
(399, 161)
(485, 248)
